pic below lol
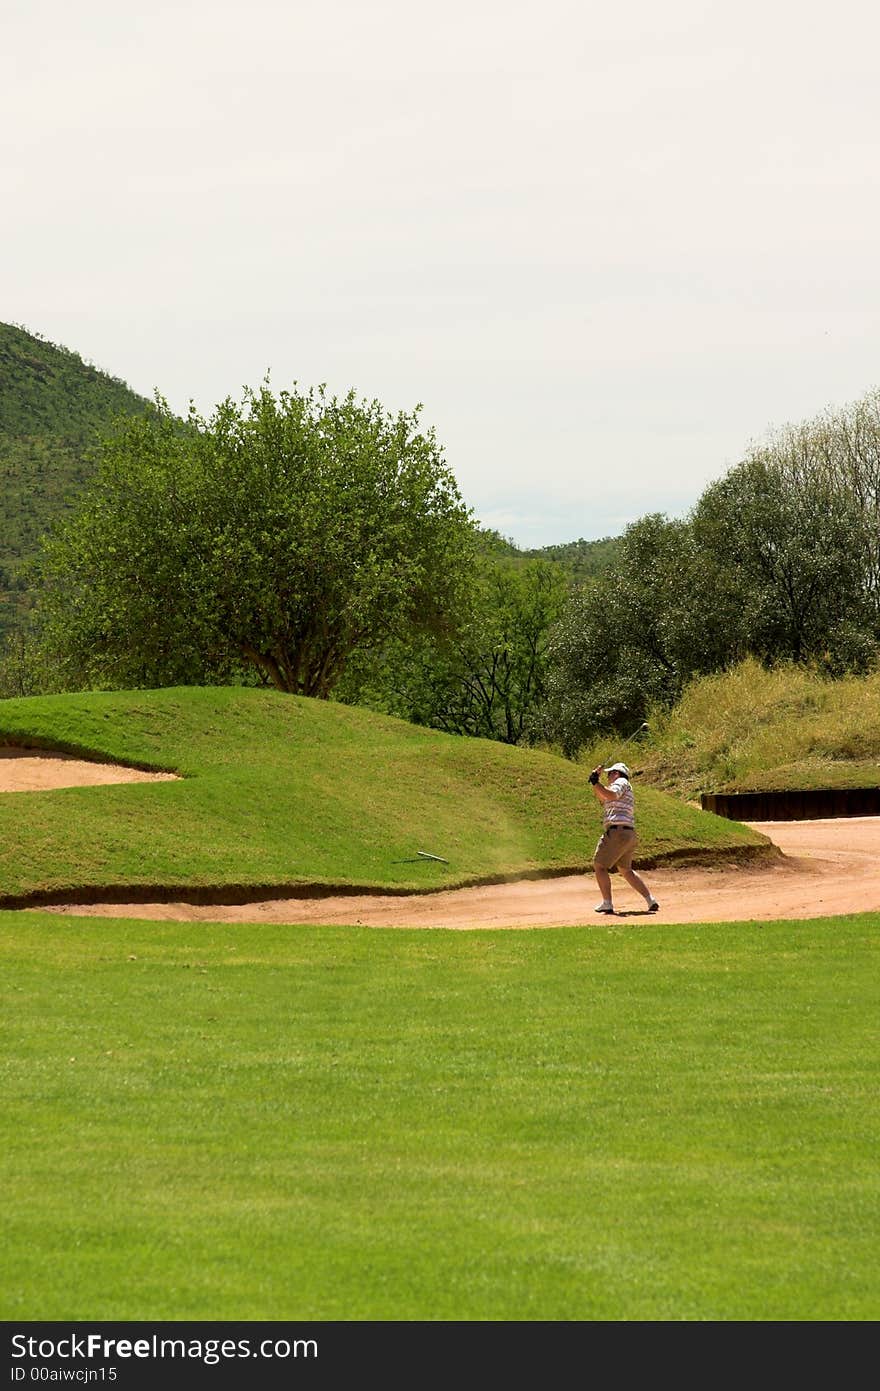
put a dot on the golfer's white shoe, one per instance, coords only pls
(604, 907)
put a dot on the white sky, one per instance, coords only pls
(606, 246)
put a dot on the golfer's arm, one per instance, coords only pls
(604, 793)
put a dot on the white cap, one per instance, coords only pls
(618, 768)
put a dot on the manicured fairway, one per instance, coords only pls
(615, 1122)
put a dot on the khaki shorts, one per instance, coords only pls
(615, 848)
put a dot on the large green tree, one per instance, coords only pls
(486, 680)
(798, 543)
(632, 638)
(778, 560)
(282, 534)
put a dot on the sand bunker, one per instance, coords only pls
(35, 770)
(827, 868)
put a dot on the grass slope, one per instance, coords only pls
(53, 408)
(241, 1123)
(285, 791)
(753, 729)
(47, 390)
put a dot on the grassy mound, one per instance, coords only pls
(753, 730)
(284, 792)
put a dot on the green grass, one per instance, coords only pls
(753, 729)
(280, 791)
(236, 1122)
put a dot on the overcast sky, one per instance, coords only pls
(605, 246)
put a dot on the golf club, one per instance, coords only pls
(641, 728)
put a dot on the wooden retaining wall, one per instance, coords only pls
(815, 804)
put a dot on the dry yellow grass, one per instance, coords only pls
(752, 728)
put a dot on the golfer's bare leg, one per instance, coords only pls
(637, 882)
(603, 879)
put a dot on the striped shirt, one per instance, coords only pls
(622, 811)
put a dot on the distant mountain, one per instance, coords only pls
(582, 560)
(53, 408)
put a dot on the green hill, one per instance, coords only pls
(282, 792)
(581, 560)
(53, 408)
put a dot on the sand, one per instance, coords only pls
(32, 770)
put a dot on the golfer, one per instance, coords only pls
(618, 839)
